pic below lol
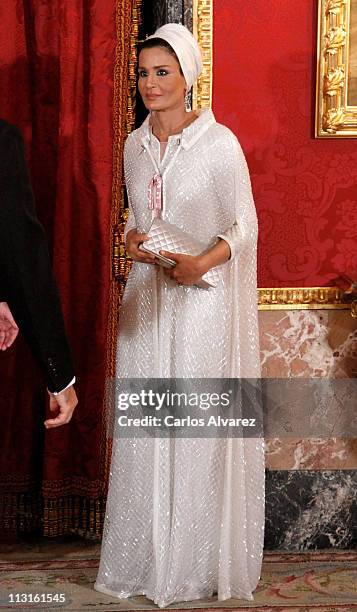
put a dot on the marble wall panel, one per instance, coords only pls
(309, 343)
(175, 10)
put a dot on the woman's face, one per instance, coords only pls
(161, 84)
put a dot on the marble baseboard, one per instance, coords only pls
(308, 510)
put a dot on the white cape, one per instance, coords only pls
(185, 517)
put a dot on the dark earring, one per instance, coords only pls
(187, 101)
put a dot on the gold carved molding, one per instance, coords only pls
(121, 264)
(334, 117)
(202, 17)
(301, 298)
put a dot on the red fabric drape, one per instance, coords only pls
(56, 82)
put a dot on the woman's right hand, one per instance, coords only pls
(133, 239)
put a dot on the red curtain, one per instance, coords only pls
(56, 80)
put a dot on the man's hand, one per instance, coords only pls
(64, 403)
(8, 327)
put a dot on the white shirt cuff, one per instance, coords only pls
(69, 385)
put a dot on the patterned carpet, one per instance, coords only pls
(62, 574)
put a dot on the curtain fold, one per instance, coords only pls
(58, 62)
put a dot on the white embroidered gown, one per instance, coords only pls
(185, 517)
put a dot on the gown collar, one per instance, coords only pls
(190, 134)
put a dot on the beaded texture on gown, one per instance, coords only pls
(185, 517)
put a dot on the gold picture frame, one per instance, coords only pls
(336, 82)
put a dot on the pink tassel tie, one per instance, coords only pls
(155, 194)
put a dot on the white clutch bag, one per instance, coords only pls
(166, 236)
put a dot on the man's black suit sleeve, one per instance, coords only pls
(26, 280)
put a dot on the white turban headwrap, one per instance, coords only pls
(186, 48)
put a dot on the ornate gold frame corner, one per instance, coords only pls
(334, 118)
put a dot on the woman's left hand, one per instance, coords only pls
(189, 269)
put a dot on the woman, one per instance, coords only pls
(184, 517)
